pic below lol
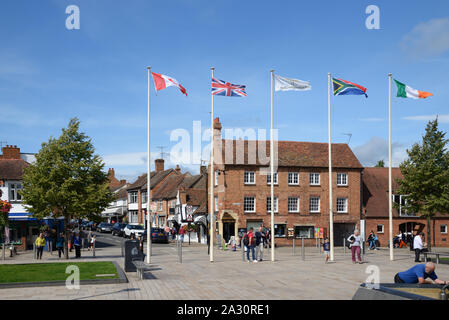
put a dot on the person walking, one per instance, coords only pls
(418, 245)
(92, 242)
(71, 241)
(260, 242)
(326, 249)
(77, 245)
(40, 244)
(249, 240)
(355, 241)
(182, 231)
(60, 244)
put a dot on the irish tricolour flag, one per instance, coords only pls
(404, 91)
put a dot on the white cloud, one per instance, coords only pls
(427, 39)
(442, 118)
(376, 149)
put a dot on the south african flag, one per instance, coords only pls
(342, 87)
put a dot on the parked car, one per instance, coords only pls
(157, 235)
(118, 229)
(135, 229)
(104, 227)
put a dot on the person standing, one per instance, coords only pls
(250, 243)
(89, 240)
(260, 242)
(326, 249)
(418, 245)
(92, 242)
(182, 231)
(40, 244)
(60, 244)
(355, 241)
(77, 245)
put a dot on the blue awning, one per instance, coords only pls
(21, 216)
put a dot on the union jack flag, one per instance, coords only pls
(223, 88)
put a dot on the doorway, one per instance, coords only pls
(342, 230)
(228, 230)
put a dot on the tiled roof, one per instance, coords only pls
(197, 197)
(12, 169)
(169, 188)
(292, 154)
(155, 177)
(375, 191)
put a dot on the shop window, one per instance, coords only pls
(280, 230)
(306, 232)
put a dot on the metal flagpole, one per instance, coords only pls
(272, 171)
(390, 197)
(212, 202)
(331, 214)
(148, 177)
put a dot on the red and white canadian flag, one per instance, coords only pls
(162, 81)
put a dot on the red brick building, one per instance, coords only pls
(375, 210)
(137, 191)
(242, 191)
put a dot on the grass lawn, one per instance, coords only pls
(54, 271)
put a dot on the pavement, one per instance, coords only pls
(228, 277)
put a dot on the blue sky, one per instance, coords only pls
(49, 74)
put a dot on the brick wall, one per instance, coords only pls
(231, 190)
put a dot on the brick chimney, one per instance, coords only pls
(10, 152)
(178, 169)
(159, 165)
(203, 170)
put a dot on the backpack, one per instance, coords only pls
(246, 239)
(253, 241)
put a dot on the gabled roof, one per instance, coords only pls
(197, 197)
(290, 154)
(169, 188)
(12, 169)
(156, 177)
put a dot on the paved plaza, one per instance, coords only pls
(228, 278)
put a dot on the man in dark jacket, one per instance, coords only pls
(260, 242)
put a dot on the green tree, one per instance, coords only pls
(380, 164)
(426, 176)
(67, 179)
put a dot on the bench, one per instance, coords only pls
(141, 266)
(437, 254)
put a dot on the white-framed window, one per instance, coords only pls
(293, 204)
(161, 221)
(249, 204)
(275, 180)
(216, 178)
(342, 179)
(216, 204)
(172, 203)
(443, 228)
(133, 197)
(314, 179)
(133, 216)
(14, 194)
(314, 204)
(280, 230)
(380, 228)
(306, 232)
(342, 205)
(249, 177)
(144, 197)
(293, 178)
(159, 205)
(275, 204)
(401, 200)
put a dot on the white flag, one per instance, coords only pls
(286, 84)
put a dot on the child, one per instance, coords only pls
(326, 249)
(92, 241)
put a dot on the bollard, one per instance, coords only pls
(319, 245)
(82, 244)
(122, 246)
(93, 249)
(180, 251)
(34, 251)
(303, 253)
(3, 252)
(50, 246)
(293, 245)
(242, 246)
(344, 245)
